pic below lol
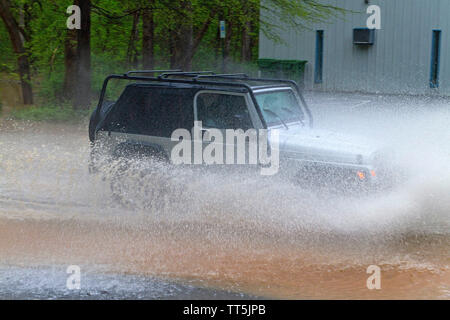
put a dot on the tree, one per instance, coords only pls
(298, 15)
(132, 51)
(120, 34)
(246, 45)
(190, 23)
(148, 36)
(18, 38)
(70, 64)
(82, 98)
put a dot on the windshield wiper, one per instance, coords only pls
(277, 116)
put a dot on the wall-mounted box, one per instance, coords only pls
(363, 36)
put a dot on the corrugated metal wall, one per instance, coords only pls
(398, 62)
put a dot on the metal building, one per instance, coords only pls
(409, 54)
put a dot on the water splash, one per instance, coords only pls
(237, 224)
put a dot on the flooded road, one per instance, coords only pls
(228, 237)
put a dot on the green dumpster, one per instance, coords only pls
(282, 69)
(270, 68)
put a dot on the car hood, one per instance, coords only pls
(328, 146)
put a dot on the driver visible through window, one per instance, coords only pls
(223, 111)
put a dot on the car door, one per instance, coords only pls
(221, 113)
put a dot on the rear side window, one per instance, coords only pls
(223, 111)
(152, 111)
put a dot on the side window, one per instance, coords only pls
(152, 111)
(223, 111)
(125, 111)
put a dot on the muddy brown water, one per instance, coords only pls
(246, 235)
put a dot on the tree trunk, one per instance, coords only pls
(82, 98)
(183, 46)
(148, 38)
(187, 43)
(218, 48)
(132, 52)
(227, 47)
(173, 42)
(246, 53)
(70, 64)
(17, 40)
(246, 39)
(199, 36)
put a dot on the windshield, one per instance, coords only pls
(279, 107)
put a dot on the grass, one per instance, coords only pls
(49, 113)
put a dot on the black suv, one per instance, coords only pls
(151, 108)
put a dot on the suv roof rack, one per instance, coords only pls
(224, 76)
(245, 77)
(181, 73)
(149, 71)
(197, 78)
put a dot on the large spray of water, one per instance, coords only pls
(160, 221)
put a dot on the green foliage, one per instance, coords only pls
(297, 15)
(48, 30)
(50, 86)
(111, 34)
(7, 57)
